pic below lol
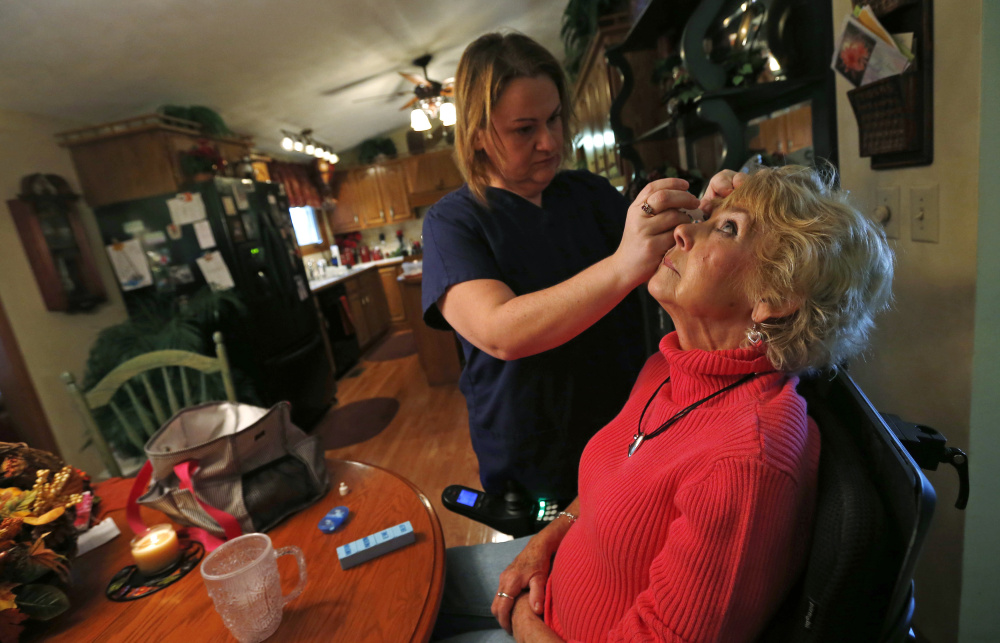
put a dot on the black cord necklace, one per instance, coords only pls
(641, 437)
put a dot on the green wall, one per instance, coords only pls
(980, 611)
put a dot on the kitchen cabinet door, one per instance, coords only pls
(393, 192)
(347, 215)
(430, 176)
(372, 210)
(393, 296)
(376, 306)
(355, 302)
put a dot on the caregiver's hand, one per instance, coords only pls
(651, 218)
(721, 185)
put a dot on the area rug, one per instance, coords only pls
(355, 422)
(395, 346)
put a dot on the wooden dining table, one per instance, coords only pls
(392, 598)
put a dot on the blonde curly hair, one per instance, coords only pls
(815, 250)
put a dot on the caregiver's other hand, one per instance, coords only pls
(651, 218)
(721, 185)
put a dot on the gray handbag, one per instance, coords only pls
(212, 463)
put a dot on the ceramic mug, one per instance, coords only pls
(242, 578)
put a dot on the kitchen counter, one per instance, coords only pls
(316, 285)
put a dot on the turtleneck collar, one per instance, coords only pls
(696, 373)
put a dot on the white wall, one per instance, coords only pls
(50, 342)
(921, 363)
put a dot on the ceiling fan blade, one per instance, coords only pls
(448, 91)
(383, 97)
(448, 81)
(416, 80)
(410, 103)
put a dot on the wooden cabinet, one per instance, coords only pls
(371, 197)
(369, 307)
(596, 86)
(721, 128)
(139, 157)
(56, 244)
(393, 296)
(431, 176)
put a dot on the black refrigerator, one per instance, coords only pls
(245, 224)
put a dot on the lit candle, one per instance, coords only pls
(156, 549)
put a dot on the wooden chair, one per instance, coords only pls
(158, 373)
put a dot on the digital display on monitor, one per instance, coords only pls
(467, 497)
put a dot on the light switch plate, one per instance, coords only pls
(924, 214)
(890, 216)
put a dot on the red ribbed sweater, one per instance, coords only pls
(699, 535)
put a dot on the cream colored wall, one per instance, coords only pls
(51, 342)
(921, 364)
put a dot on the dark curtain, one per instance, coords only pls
(299, 181)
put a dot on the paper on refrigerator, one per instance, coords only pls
(186, 207)
(216, 272)
(130, 265)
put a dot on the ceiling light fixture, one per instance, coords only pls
(431, 108)
(304, 143)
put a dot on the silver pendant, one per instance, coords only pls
(636, 443)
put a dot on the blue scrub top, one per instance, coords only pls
(530, 418)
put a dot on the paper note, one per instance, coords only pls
(154, 238)
(203, 230)
(215, 270)
(300, 283)
(862, 57)
(228, 206)
(130, 266)
(186, 207)
(134, 227)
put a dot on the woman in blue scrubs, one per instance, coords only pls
(535, 268)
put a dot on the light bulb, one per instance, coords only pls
(287, 143)
(310, 148)
(419, 121)
(447, 113)
(297, 146)
(333, 157)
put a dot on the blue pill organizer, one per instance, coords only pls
(381, 542)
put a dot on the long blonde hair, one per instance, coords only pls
(486, 68)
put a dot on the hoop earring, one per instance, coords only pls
(755, 336)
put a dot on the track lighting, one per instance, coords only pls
(303, 142)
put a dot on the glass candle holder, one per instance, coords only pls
(156, 549)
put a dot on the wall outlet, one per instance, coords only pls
(924, 214)
(887, 211)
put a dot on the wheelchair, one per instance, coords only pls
(874, 508)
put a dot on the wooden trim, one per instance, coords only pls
(20, 396)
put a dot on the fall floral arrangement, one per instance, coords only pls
(38, 498)
(203, 157)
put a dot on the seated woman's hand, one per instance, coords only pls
(529, 571)
(651, 218)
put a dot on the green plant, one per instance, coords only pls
(372, 147)
(162, 322)
(210, 121)
(579, 24)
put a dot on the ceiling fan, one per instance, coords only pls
(426, 89)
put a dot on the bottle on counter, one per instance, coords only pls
(366, 254)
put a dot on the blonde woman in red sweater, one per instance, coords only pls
(696, 501)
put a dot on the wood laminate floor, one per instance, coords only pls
(427, 441)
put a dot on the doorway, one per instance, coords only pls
(21, 415)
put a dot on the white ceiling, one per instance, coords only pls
(263, 65)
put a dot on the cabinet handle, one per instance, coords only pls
(355, 218)
(381, 214)
(392, 213)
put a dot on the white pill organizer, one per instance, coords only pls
(381, 542)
